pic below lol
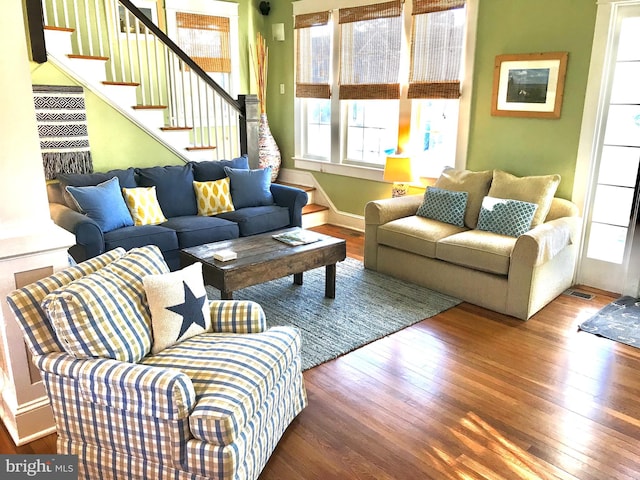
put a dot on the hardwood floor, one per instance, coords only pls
(466, 394)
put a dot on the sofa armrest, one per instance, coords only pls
(379, 212)
(151, 391)
(88, 234)
(237, 316)
(544, 242)
(291, 197)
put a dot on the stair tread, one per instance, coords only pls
(202, 147)
(313, 208)
(306, 188)
(58, 29)
(124, 84)
(149, 107)
(87, 57)
(172, 129)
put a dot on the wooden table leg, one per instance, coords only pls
(226, 295)
(297, 278)
(330, 281)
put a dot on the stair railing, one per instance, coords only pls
(138, 52)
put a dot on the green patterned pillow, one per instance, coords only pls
(444, 205)
(105, 313)
(506, 217)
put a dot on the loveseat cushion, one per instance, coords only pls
(231, 374)
(477, 249)
(174, 188)
(214, 169)
(254, 220)
(476, 184)
(195, 230)
(131, 237)
(105, 314)
(416, 234)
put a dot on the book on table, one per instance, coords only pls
(297, 237)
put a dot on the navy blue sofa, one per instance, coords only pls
(177, 199)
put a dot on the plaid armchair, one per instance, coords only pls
(211, 406)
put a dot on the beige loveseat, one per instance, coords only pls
(516, 276)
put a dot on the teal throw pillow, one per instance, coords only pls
(104, 204)
(250, 188)
(506, 217)
(444, 205)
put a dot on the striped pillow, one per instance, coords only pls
(105, 314)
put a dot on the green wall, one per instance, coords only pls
(522, 146)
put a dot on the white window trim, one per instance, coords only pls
(464, 119)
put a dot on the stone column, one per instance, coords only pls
(249, 128)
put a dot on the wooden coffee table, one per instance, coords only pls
(261, 258)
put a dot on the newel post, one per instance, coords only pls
(249, 127)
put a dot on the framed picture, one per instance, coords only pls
(529, 85)
(150, 9)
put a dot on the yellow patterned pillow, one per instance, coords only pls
(213, 197)
(143, 205)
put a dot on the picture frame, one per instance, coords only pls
(150, 8)
(529, 85)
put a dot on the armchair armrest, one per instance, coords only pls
(379, 212)
(292, 198)
(237, 316)
(88, 234)
(544, 242)
(164, 393)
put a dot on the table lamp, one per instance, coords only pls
(397, 169)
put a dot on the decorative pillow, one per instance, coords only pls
(535, 189)
(174, 188)
(476, 184)
(214, 169)
(143, 206)
(105, 314)
(444, 205)
(213, 197)
(126, 178)
(103, 203)
(179, 306)
(250, 188)
(506, 217)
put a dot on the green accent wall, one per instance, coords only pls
(522, 146)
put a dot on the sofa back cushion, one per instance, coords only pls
(476, 184)
(105, 314)
(214, 169)
(174, 188)
(126, 178)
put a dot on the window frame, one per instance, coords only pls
(337, 163)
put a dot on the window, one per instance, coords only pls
(378, 78)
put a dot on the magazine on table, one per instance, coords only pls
(297, 237)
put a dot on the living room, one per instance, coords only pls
(451, 421)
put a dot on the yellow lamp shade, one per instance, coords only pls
(398, 169)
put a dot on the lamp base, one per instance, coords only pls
(399, 189)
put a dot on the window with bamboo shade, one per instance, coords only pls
(205, 38)
(313, 55)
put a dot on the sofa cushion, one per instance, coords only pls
(214, 169)
(476, 184)
(174, 188)
(178, 304)
(131, 237)
(416, 234)
(213, 197)
(125, 177)
(143, 205)
(105, 313)
(444, 205)
(254, 220)
(103, 203)
(250, 188)
(231, 375)
(477, 249)
(506, 217)
(196, 230)
(534, 189)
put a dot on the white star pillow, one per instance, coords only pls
(179, 306)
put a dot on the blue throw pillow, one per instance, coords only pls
(174, 188)
(104, 204)
(444, 205)
(506, 217)
(125, 177)
(250, 188)
(211, 170)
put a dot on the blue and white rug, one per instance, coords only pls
(619, 321)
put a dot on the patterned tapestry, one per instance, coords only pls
(62, 127)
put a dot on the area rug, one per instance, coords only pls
(62, 128)
(368, 306)
(619, 321)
